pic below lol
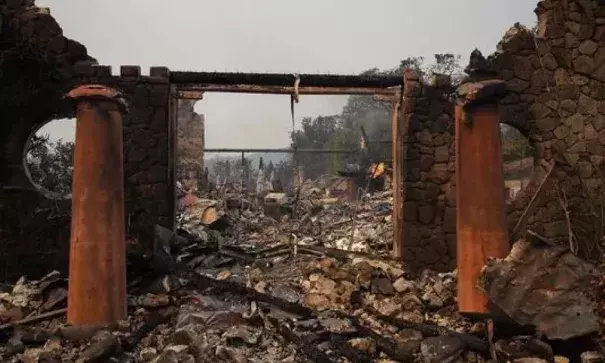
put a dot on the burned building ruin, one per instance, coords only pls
(555, 78)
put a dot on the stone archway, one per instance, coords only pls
(557, 83)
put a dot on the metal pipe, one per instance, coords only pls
(97, 259)
(276, 79)
(481, 221)
(284, 151)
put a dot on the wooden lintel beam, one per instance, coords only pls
(386, 97)
(190, 95)
(288, 90)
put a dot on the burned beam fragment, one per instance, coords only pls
(276, 79)
(204, 282)
(473, 342)
(474, 94)
(280, 151)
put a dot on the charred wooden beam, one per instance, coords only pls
(386, 93)
(279, 151)
(276, 79)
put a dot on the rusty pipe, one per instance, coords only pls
(481, 225)
(97, 258)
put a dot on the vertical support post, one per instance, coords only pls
(481, 221)
(398, 135)
(97, 260)
(352, 188)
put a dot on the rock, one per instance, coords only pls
(209, 319)
(388, 307)
(287, 293)
(317, 301)
(523, 347)
(382, 285)
(155, 301)
(104, 344)
(409, 340)
(231, 355)
(364, 344)
(560, 359)
(175, 354)
(184, 336)
(529, 360)
(14, 346)
(48, 357)
(147, 354)
(242, 334)
(588, 47)
(261, 287)
(591, 357)
(442, 349)
(336, 325)
(478, 328)
(325, 286)
(432, 300)
(411, 302)
(403, 285)
(557, 309)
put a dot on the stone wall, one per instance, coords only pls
(429, 207)
(37, 68)
(190, 144)
(556, 81)
(35, 230)
(148, 145)
(557, 84)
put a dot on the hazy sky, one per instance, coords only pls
(312, 36)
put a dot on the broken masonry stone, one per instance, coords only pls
(523, 347)
(104, 344)
(147, 354)
(542, 285)
(382, 285)
(367, 345)
(591, 357)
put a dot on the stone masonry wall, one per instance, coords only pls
(429, 207)
(148, 145)
(35, 236)
(557, 84)
(190, 144)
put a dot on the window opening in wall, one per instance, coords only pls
(250, 147)
(518, 161)
(49, 158)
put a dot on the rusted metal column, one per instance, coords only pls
(481, 220)
(97, 259)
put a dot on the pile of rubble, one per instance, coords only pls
(235, 285)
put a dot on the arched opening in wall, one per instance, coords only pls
(518, 160)
(48, 158)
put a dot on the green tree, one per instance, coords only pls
(50, 165)
(515, 146)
